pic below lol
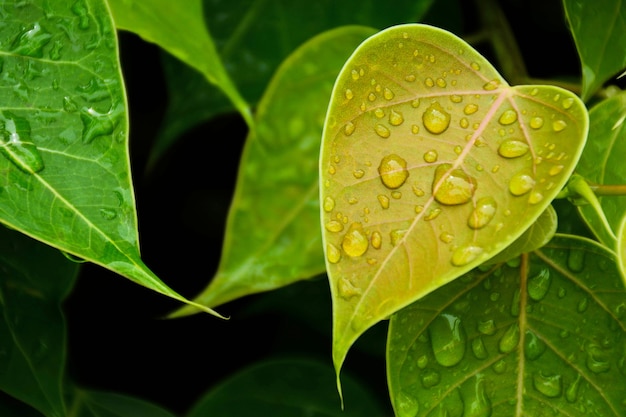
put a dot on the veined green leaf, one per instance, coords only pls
(64, 164)
(32, 327)
(427, 156)
(273, 236)
(180, 29)
(602, 164)
(547, 337)
(87, 403)
(599, 30)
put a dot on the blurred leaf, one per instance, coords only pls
(599, 30)
(253, 38)
(285, 388)
(602, 163)
(179, 28)
(105, 404)
(545, 338)
(536, 236)
(10, 407)
(64, 163)
(430, 165)
(272, 236)
(32, 327)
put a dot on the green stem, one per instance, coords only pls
(578, 187)
(501, 36)
(608, 190)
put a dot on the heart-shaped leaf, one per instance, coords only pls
(545, 337)
(431, 164)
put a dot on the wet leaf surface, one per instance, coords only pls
(546, 336)
(427, 155)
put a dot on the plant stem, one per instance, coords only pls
(608, 190)
(501, 36)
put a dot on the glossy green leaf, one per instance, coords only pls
(547, 337)
(599, 30)
(64, 163)
(180, 29)
(535, 237)
(106, 404)
(273, 236)
(602, 164)
(253, 38)
(285, 388)
(32, 327)
(428, 154)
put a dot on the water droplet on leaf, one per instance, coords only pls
(539, 284)
(393, 172)
(436, 120)
(536, 122)
(16, 144)
(333, 253)
(430, 378)
(395, 118)
(513, 148)
(431, 156)
(452, 186)
(479, 349)
(558, 125)
(470, 109)
(534, 346)
(508, 117)
(521, 183)
(448, 339)
(355, 241)
(483, 213)
(97, 124)
(551, 386)
(463, 255)
(329, 204)
(509, 339)
(382, 131)
(31, 40)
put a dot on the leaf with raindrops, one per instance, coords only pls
(546, 336)
(430, 165)
(64, 164)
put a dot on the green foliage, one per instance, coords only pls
(391, 155)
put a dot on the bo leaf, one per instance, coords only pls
(430, 165)
(545, 337)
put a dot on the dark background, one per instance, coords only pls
(117, 338)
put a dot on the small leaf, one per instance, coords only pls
(427, 155)
(547, 337)
(601, 163)
(273, 236)
(285, 388)
(32, 327)
(180, 29)
(598, 30)
(64, 163)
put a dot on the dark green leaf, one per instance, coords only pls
(64, 163)
(34, 280)
(273, 236)
(599, 30)
(285, 388)
(546, 337)
(106, 404)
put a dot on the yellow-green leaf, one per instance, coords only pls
(430, 165)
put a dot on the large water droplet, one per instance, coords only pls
(598, 360)
(406, 405)
(487, 327)
(16, 144)
(334, 226)
(395, 118)
(509, 339)
(513, 148)
(430, 378)
(508, 117)
(448, 339)
(329, 204)
(31, 40)
(377, 240)
(534, 346)
(558, 125)
(436, 120)
(346, 289)
(571, 393)
(470, 109)
(355, 242)
(476, 403)
(452, 186)
(383, 200)
(393, 172)
(349, 128)
(382, 131)
(549, 385)
(536, 122)
(479, 349)
(463, 255)
(96, 124)
(431, 156)
(482, 214)
(539, 284)
(521, 183)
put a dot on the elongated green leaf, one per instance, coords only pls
(599, 30)
(545, 338)
(180, 29)
(273, 236)
(107, 404)
(427, 156)
(64, 164)
(285, 388)
(253, 38)
(602, 163)
(32, 327)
